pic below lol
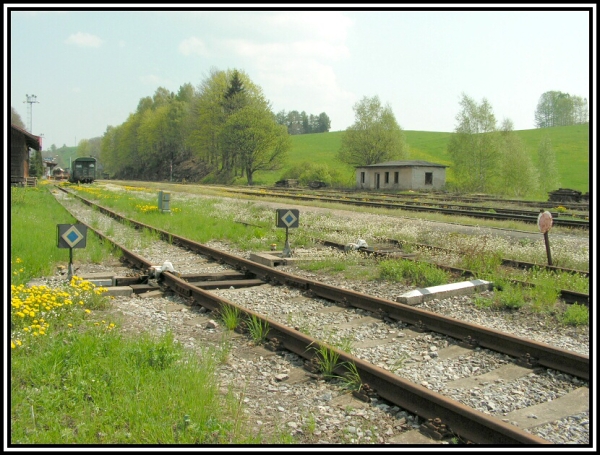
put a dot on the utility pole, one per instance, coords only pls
(30, 100)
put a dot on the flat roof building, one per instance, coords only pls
(402, 175)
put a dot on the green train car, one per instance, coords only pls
(83, 170)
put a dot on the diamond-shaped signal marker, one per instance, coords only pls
(289, 219)
(72, 236)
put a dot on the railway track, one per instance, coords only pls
(490, 213)
(567, 295)
(442, 416)
(444, 198)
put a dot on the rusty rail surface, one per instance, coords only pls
(531, 352)
(443, 414)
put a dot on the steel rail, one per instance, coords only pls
(469, 423)
(409, 207)
(531, 352)
(462, 420)
(441, 197)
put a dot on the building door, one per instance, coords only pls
(377, 181)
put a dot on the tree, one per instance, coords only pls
(374, 137)
(253, 132)
(580, 110)
(560, 109)
(512, 150)
(15, 118)
(323, 123)
(36, 164)
(474, 147)
(221, 95)
(549, 180)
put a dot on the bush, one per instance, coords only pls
(576, 315)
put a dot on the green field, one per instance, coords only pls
(570, 143)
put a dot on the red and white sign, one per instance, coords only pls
(544, 222)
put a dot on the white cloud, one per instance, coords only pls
(330, 26)
(193, 45)
(292, 57)
(84, 40)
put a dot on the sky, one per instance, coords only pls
(88, 68)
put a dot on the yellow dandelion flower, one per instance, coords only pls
(12, 345)
(87, 311)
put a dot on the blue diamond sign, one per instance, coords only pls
(71, 235)
(288, 218)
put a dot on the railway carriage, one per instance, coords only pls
(83, 170)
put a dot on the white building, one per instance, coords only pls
(401, 175)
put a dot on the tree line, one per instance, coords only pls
(224, 128)
(487, 157)
(491, 158)
(301, 123)
(560, 109)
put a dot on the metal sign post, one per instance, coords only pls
(71, 236)
(545, 224)
(287, 218)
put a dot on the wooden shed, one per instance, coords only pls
(401, 175)
(20, 143)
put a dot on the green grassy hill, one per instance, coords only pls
(570, 143)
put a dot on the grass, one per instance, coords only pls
(34, 252)
(77, 379)
(230, 316)
(142, 391)
(576, 315)
(258, 329)
(570, 144)
(327, 359)
(419, 274)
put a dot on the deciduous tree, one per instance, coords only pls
(518, 175)
(474, 147)
(262, 144)
(374, 137)
(549, 179)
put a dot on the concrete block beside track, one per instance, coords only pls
(99, 279)
(444, 291)
(115, 291)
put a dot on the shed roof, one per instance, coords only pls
(34, 142)
(410, 163)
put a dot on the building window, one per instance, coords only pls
(362, 177)
(428, 178)
(387, 177)
(396, 177)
